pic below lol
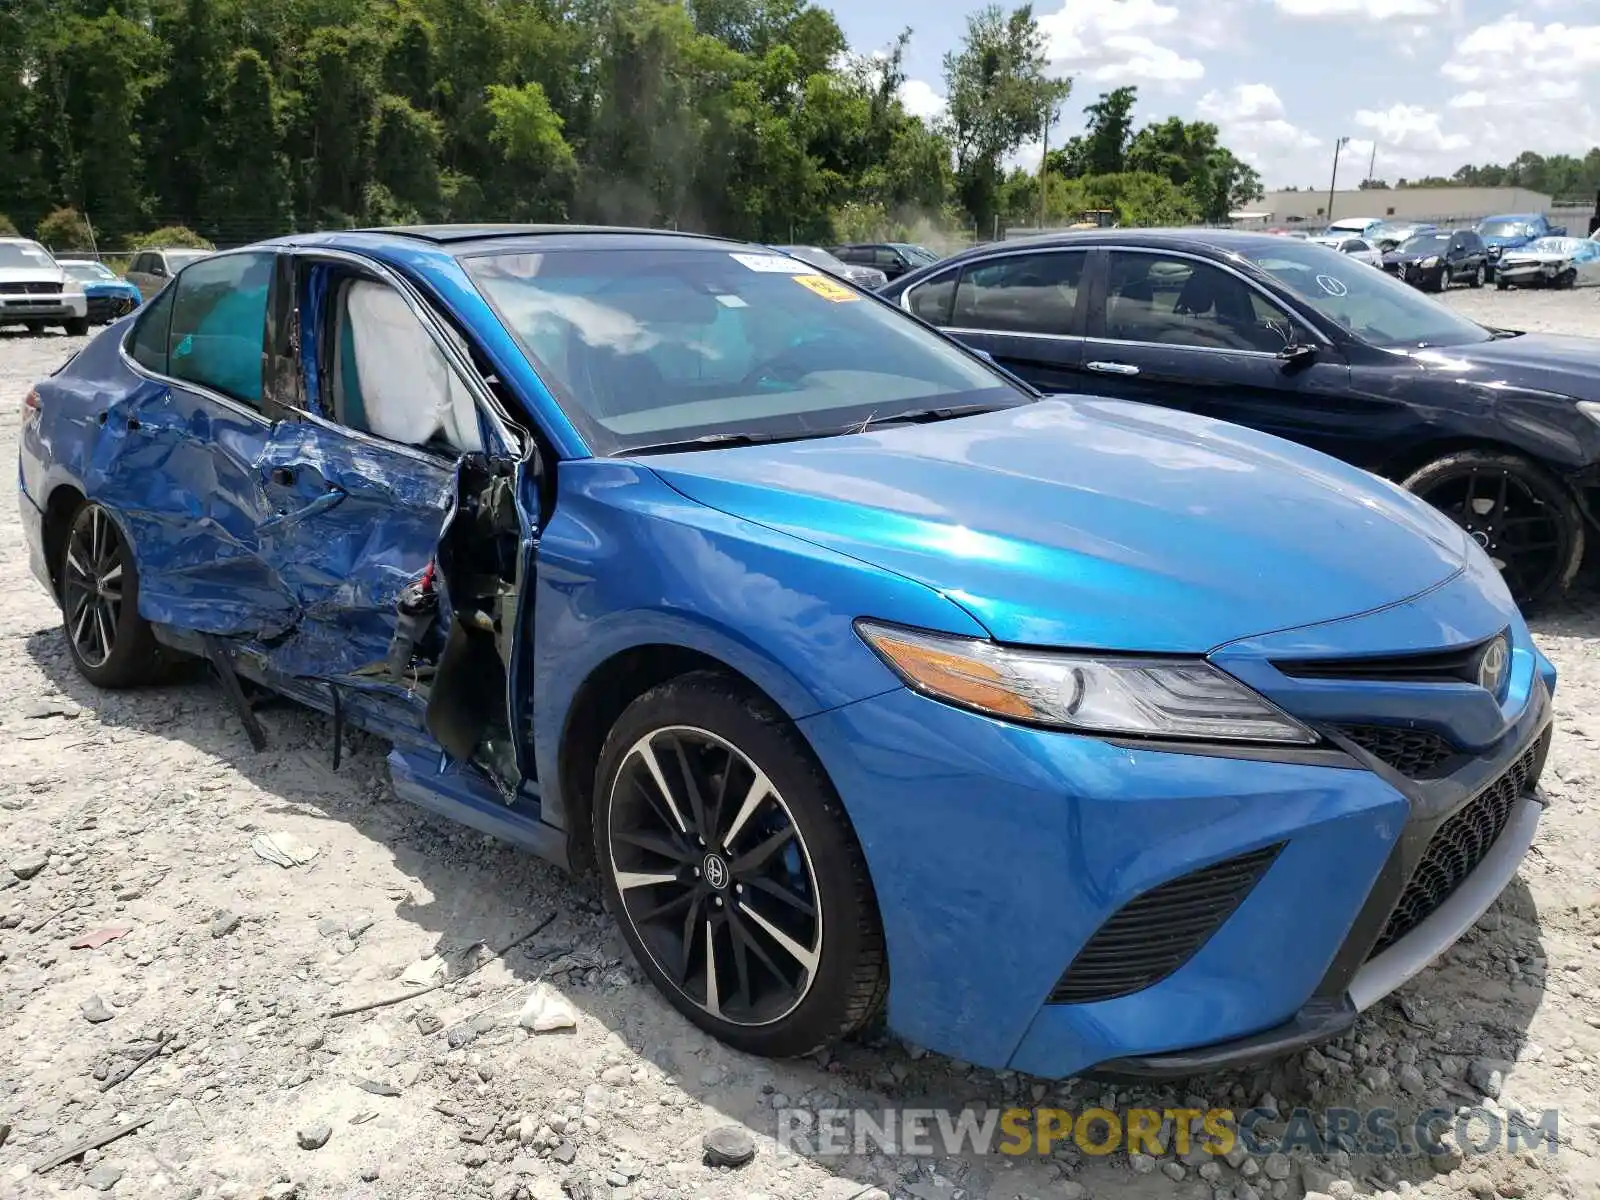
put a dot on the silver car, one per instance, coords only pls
(863, 277)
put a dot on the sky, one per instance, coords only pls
(1429, 84)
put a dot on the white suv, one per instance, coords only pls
(35, 291)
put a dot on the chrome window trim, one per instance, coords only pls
(240, 407)
(957, 268)
(1293, 310)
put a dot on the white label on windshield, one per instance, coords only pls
(1334, 287)
(775, 264)
(732, 301)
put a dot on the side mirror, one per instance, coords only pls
(1296, 354)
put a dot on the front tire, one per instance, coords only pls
(77, 327)
(1478, 276)
(1526, 519)
(110, 643)
(727, 859)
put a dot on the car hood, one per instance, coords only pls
(1501, 241)
(1093, 523)
(32, 275)
(1548, 362)
(1411, 256)
(1536, 256)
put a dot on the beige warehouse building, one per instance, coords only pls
(1430, 204)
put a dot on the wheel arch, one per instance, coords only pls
(60, 506)
(1411, 460)
(598, 702)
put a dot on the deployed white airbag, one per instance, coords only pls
(408, 390)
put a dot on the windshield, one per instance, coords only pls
(1503, 228)
(25, 254)
(815, 256)
(1374, 306)
(1425, 243)
(87, 272)
(922, 253)
(1393, 231)
(645, 347)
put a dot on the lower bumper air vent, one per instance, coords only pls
(1415, 753)
(1460, 844)
(1155, 933)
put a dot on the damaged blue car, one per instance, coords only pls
(1076, 733)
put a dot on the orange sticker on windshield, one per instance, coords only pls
(828, 289)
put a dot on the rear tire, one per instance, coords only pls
(110, 643)
(1525, 518)
(1478, 277)
(1501, 285)
(745, 895)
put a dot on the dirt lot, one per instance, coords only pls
(137, 811)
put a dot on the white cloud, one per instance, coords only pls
(921, 100)
(1254, 124)
(1513, 50)
(1537, 91)
(1109, 41)
(1410, 129)
(1363, 10)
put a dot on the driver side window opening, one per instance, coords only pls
(381, 373)
(1183, 302)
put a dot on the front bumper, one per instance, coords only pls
(61, 306)
(1531, 274)
(105, 307)
(998, 852)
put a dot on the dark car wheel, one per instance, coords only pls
(1444, 279)
(110, 643)
(1567, 278)
(1478, 276)
(77, 328)
(1524, 518)
(727, 859)
(1501, 285)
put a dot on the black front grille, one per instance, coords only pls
(30, 289)
(1154, 934)
(1415, 753)
(1441, 666)
(1460, 843)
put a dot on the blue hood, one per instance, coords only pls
(1095, 523)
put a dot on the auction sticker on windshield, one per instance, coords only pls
(1334, 287)
(828, 289)
(771, 263)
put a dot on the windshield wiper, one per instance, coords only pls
(710, 441)
(922, 416)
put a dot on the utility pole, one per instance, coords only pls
(1044, 157)
(1333, 181)
(1372, 166)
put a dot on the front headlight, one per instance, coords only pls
(1084, 693)
(1431, 261)
(1590, 409)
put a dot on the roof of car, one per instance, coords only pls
(453, 240)
(1512, 216)
(1226, 241)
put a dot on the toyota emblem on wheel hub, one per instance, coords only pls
(1492, 665)
(715, 870)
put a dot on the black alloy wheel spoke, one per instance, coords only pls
(1502, 513)
(92, 589)
(734, 922)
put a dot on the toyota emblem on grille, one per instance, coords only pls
(1492, 666)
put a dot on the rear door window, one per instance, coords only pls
(931, 300)
(1021, 293)
(219, 318)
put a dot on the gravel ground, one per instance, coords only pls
(137, 811)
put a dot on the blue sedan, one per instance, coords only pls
(1078, 733)
(109, 295)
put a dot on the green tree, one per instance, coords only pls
(1105, 145)
(64, 229)
(252, 192)
(999, 96)
(528, 133)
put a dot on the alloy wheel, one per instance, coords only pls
(92, 587)
(714, 875)
(1504, 515)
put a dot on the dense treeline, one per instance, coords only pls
(1563, 176)
(244, 118)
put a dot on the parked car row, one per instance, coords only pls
(1434, 258)
(38, 290)
(1070, 732)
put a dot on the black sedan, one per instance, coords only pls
(1500, 429)
(1436, 259)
